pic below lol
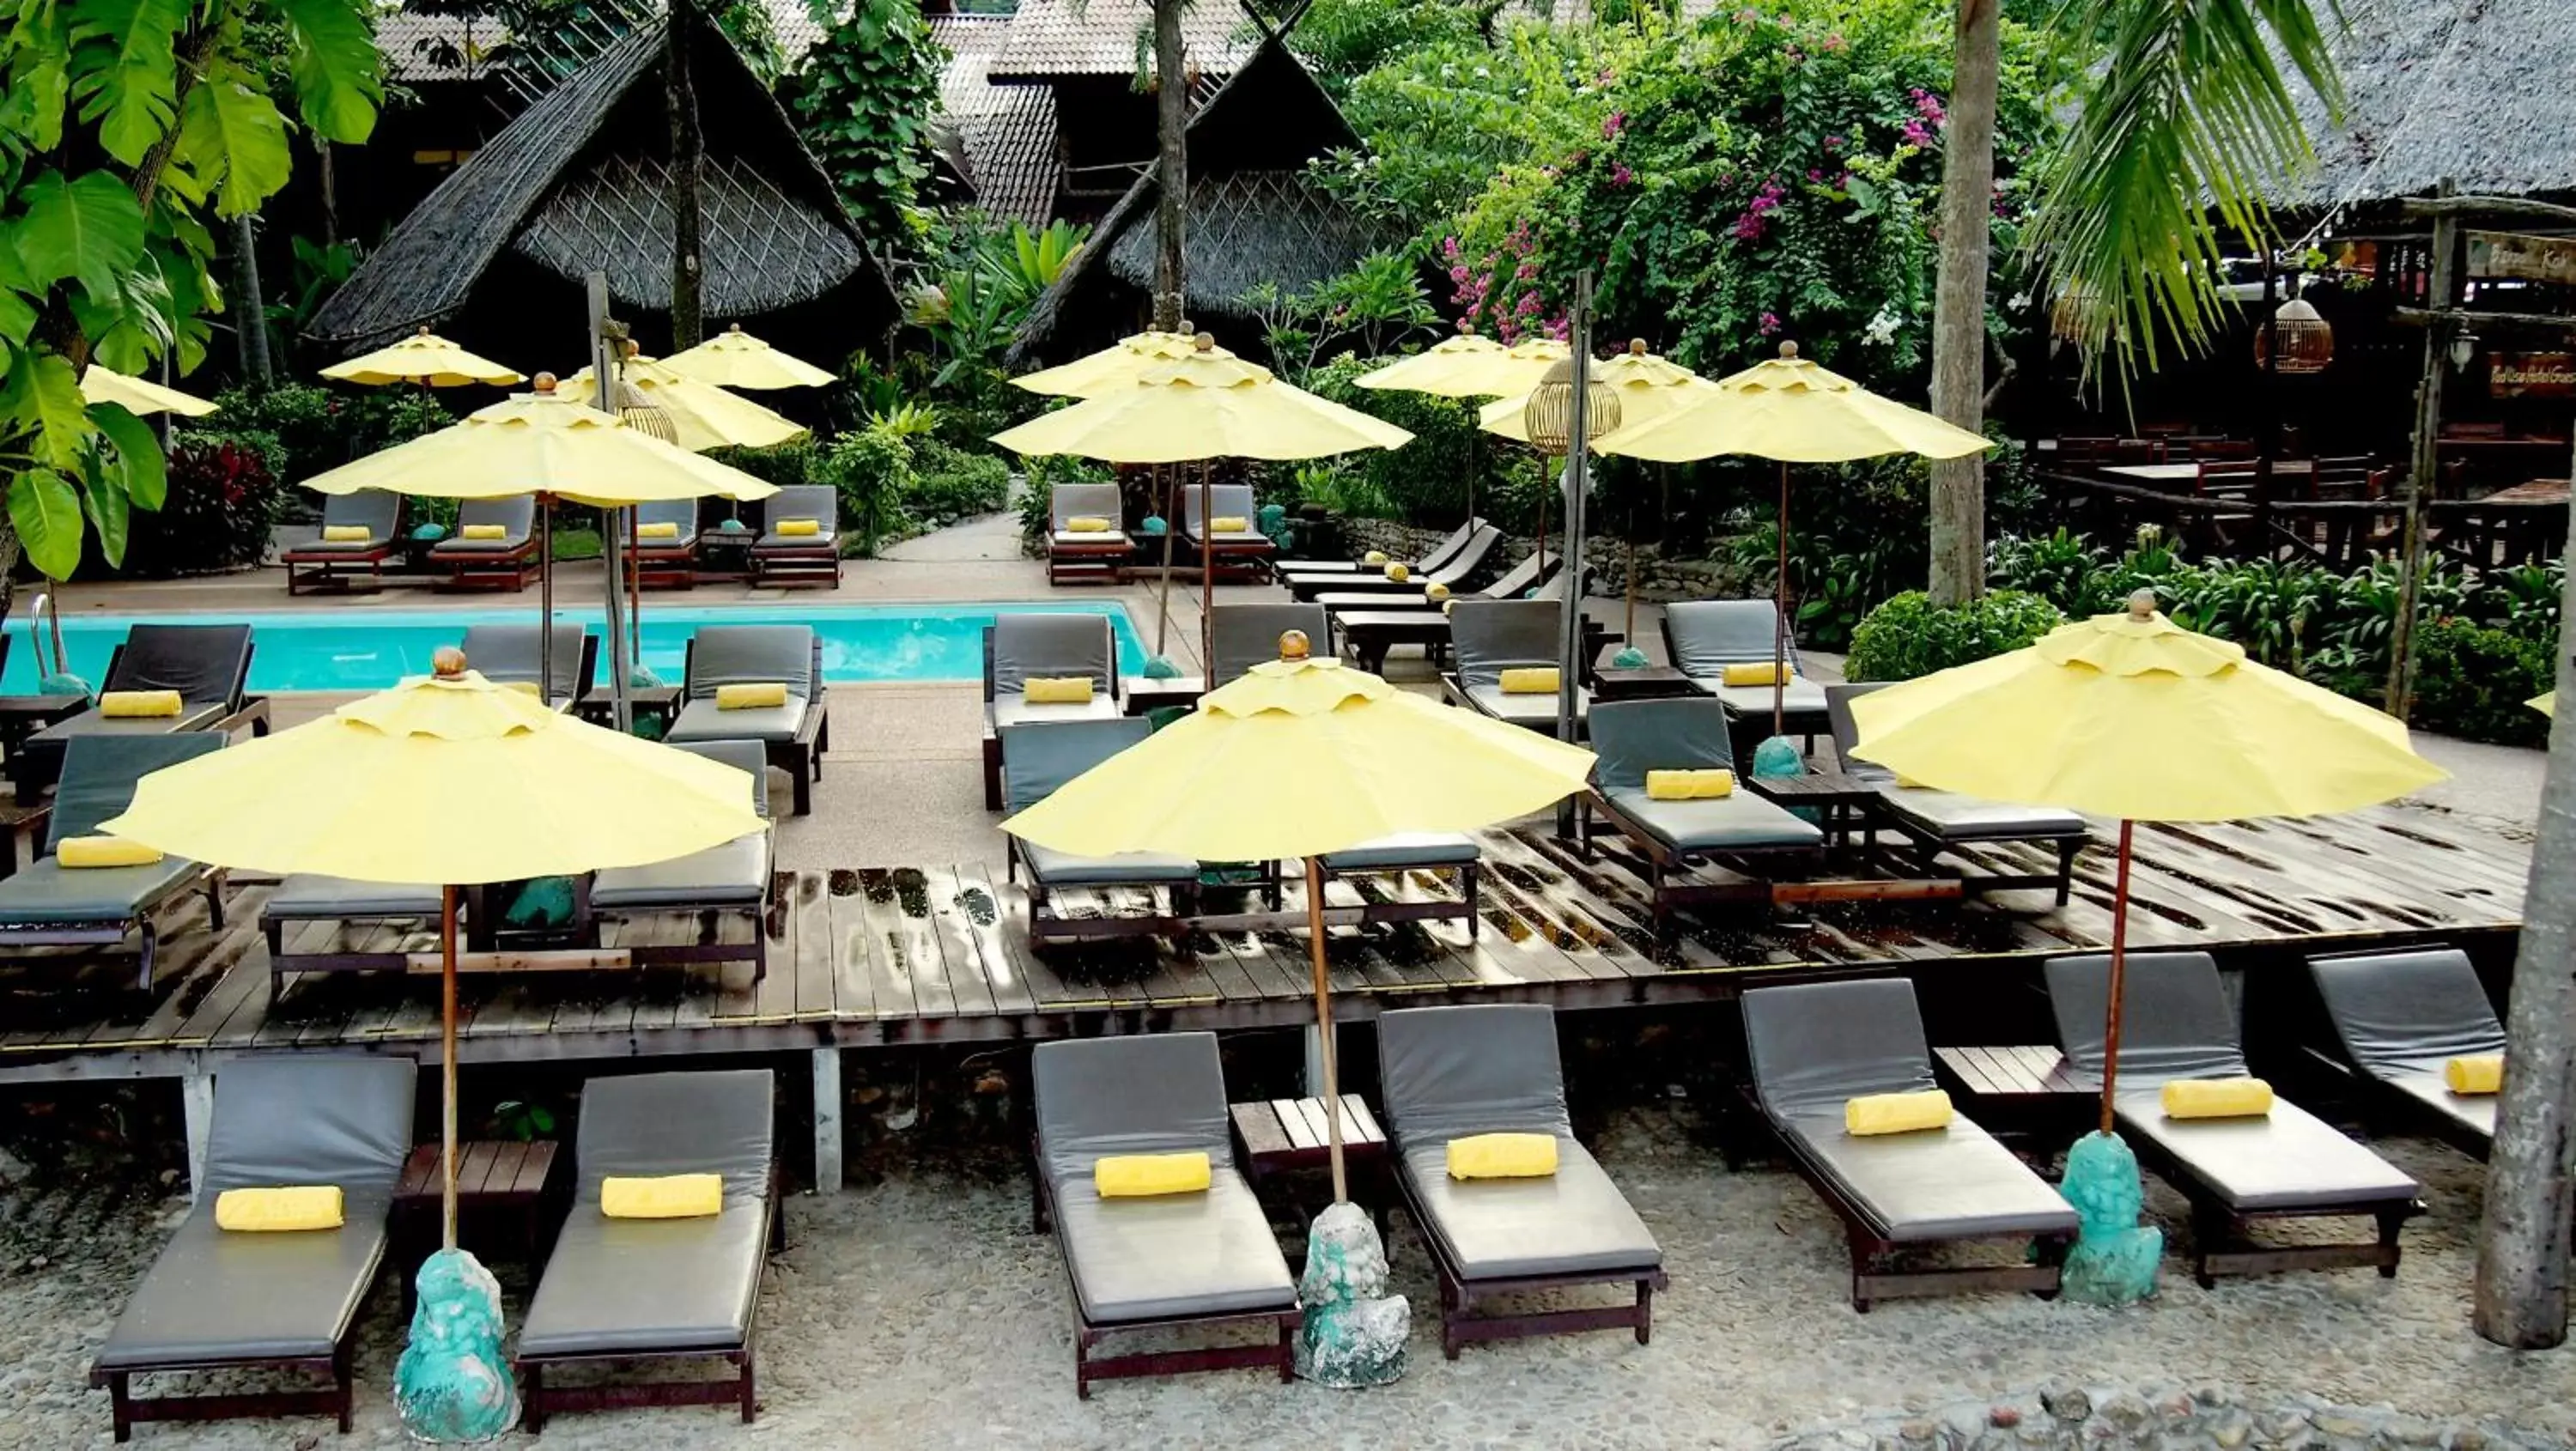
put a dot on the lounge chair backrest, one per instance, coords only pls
(1146, 1093)
(1049, 646)
(817, 502)
(1492, 636)
(1814, 1045)
(1226, 501)
(683, 512)
(1447, 549)
(517, 515)
(1041, 756)
(344, 1121)
(1068, 502)
(1632, 737)
(375, 510)
(507, 653)
(204, 663)
(748, 756)
(1553, 586)
(650, 1124)
(751, 655)
(99, 773)
(1703, 637)
(1477, 1069)
(1246, 635)
(2176, 1021)
(1838, 699)
(1462, 566)
(2396, 1011)
(1517, 581)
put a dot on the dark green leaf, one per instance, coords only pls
(126, 74)
(45, 399)
(89, 229)
(46, 512)
(145, 472)
(337, 71)
(108, 509)
(235, 138)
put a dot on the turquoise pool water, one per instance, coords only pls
(369, 649)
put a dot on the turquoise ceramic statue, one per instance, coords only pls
(63, 684)
(1153, 526)
(1160, 667)
(1354, 1331)
(453, 1384)
(2115, 1258)
(1628, 658)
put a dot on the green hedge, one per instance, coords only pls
(2472, 680)
(1908, 636)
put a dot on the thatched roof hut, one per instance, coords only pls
(579, 182)
(1254, 216)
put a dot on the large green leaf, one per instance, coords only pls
(125, 71)
(46, 511)
(145, 474)
(45, 399)
(336, 68)
(39, 85)
(90, 229)
(235, 139)
(18, 292)
(103, 495)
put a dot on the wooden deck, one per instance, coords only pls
(883, 956)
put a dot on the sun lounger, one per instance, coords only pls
(1367, 629)
(1375, 585)
(1246, 635)
(227, 1302)
(616, 1291)
(723, 879)
(2400, 1016)
(1242, 553)
(2178, 1023)
(796, 734)
(504, 563)
(399, 909)
(208, 665)
(1395, 856)
(45, 904)
(508, 655)
(1432, 558)
(1815, 1046)
(785, 559)
(1039, 757)
(325, 561)
(1021, 648)
(669, 562)
(1099, 555)
(1170, 1262)
(1703, 637)
(1939, 821)
(1742, 830)
(1492, 1068)
(1492, 636)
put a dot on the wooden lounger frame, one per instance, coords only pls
(111, 932)
(784, 566)
(1661, 860)
(1929, 845)
(1459, 1295)
(663, 566)
(2222, 1240)
(1091, 562)
(339, 1401)
(334, 567)
(1366, 637)
(800, 756)
(1045, 926)
(509, 569)
(1463, 907)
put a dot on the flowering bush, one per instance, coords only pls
(224, 495)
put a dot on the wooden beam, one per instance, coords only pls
(1945, 889)
(2462, 317)
(827, 1121)
(2523, 208)
(568, 959)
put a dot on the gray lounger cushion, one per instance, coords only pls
(817, 502)
(1051, 647)
(733, 874)
(373, 510)
(1943, 814)
(43, 893)
(682, 512)
(723, 655)
(98, 779)
(1144, 868)
(1813, 1047)
(1492, 636)
(214, 1296)
(205, 664)
(1536, 712)
(2177, 1023)
(1226, 501)
(660, 1285)
(508, 654)
(1097, 539)
(2402, 1015)
(1405, 849)
(1633, 737)
(1068, 502)
(1492, 1068)
(1246, 635)
(307, 896)
(517, 516)
(1169, 1255)
(1706, 636)
(1037, 758)
(1011, 710)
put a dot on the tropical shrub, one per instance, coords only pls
(1910, 636)
(1425, 482)
(871, 471)
(2472, 680)
(784, 464)
(317, 429)
(223, 498)
(949, 483)
(863, 101)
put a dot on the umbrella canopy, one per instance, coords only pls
(424, 358)
(1203, 405)
(1116, 367)
(1649, 387)
(735, 359)
(703, 415)
(2545, 704)
(546, 442)
(139, 395)
(1467, 366)
(1789, 409)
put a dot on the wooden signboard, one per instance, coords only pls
(2512, 254)
(2532, 375)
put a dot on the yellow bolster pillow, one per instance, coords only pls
(103, 851)
(1374, 556)
(270, 1211)
(672, 1196)
(1895, 1113)
(1230, 524)
(797, 528)
(658, 529)
(1697, 785)
(1399, 572)
(1759, 672)
(1056, 690)
(1086, 524)
(2477, 1073)
(1503, 1156)
(2217, 1098)
(1436, 592)
(751, 695)
(1530, 680)
(346, 533)
(484, 531)
(1449, 607)
(1142, 1176)
(139, 703)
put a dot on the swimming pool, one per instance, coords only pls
(369, 649)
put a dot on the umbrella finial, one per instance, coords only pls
(1636, 347)
(733, 327)
(1788, 352)
(1204, 342)
(543, 382)
(1293, 645)
(2142, 605)
(448, 663)
(424, 331)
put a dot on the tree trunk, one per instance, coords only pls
(2522, 1245)
(1959, 305)
(688, 163)
(329, 176)
(1172, 166)
(249, 307)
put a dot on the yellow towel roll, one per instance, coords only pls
(2475, 1073)
(1142, 1176)
(1503, 1156)
(797, 528)
(1374, 556)
(346, 533)
(272, 1211)
(1399, 572)
(1895, 1113)
(658, 529)
(1056, 690)
(671, 1196)
(1086, 524)
(1759, 672)
(752, 695)
(1695, 785)
(1530, 680)
(484, 531)
(1229, 524)
(2217, 1098)
(103, 851)
(1436, 592)
(1449, 607)
(133, 703)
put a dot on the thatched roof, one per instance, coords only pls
(1008, 131)
(577, 183)
(1254, 214)
(2477, 91)
(1056, 39)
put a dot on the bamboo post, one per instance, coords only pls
(1324, 1027)
(1780, 600)
(2427, 458)
(2119, 974)
(447, 1066)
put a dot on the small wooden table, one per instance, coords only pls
(1286, 1135)
(1641, 682)
(2017, 1087)
(495, 1181)
(1144, 693)
(600, 706)
(22, 716)
(1843, 804)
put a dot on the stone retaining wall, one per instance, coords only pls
(1658, 579)
(2169, 1419)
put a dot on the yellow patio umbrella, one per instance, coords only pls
(702, 414)
(139, 395)
(2545, 704)
(1469, 366)
(735, 359)
(424, 358)
(1116, 366)
(1789, 409)
(354, 794)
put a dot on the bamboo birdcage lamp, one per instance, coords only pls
(1548, 416)
(2306, 339)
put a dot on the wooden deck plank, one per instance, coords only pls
(980, 908)
(900, 949)
(957, 944)
(854, 988)
(815, 994)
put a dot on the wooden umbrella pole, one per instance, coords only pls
(1780, 609)
(1163, 608)
(546, 597)
(1207, 570)
(1545, 483)
(634, 586)
(447, 1065)
(2119, 975)
(1324, 1026)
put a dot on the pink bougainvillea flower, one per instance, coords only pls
(1620, 175)
(1915, 135)
(1613, 124)
(1833, 143)
(1833, 42)
(1770, 323)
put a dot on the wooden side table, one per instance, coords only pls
(1286, 1135)
(495, 1182)
(1142, 694)
(2017, 1087)
(1843, 804)
(600, 706)
(1642, 682)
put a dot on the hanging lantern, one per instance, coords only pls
(1548, 416)
(2307, 339)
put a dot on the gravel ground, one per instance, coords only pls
(919, 1311)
